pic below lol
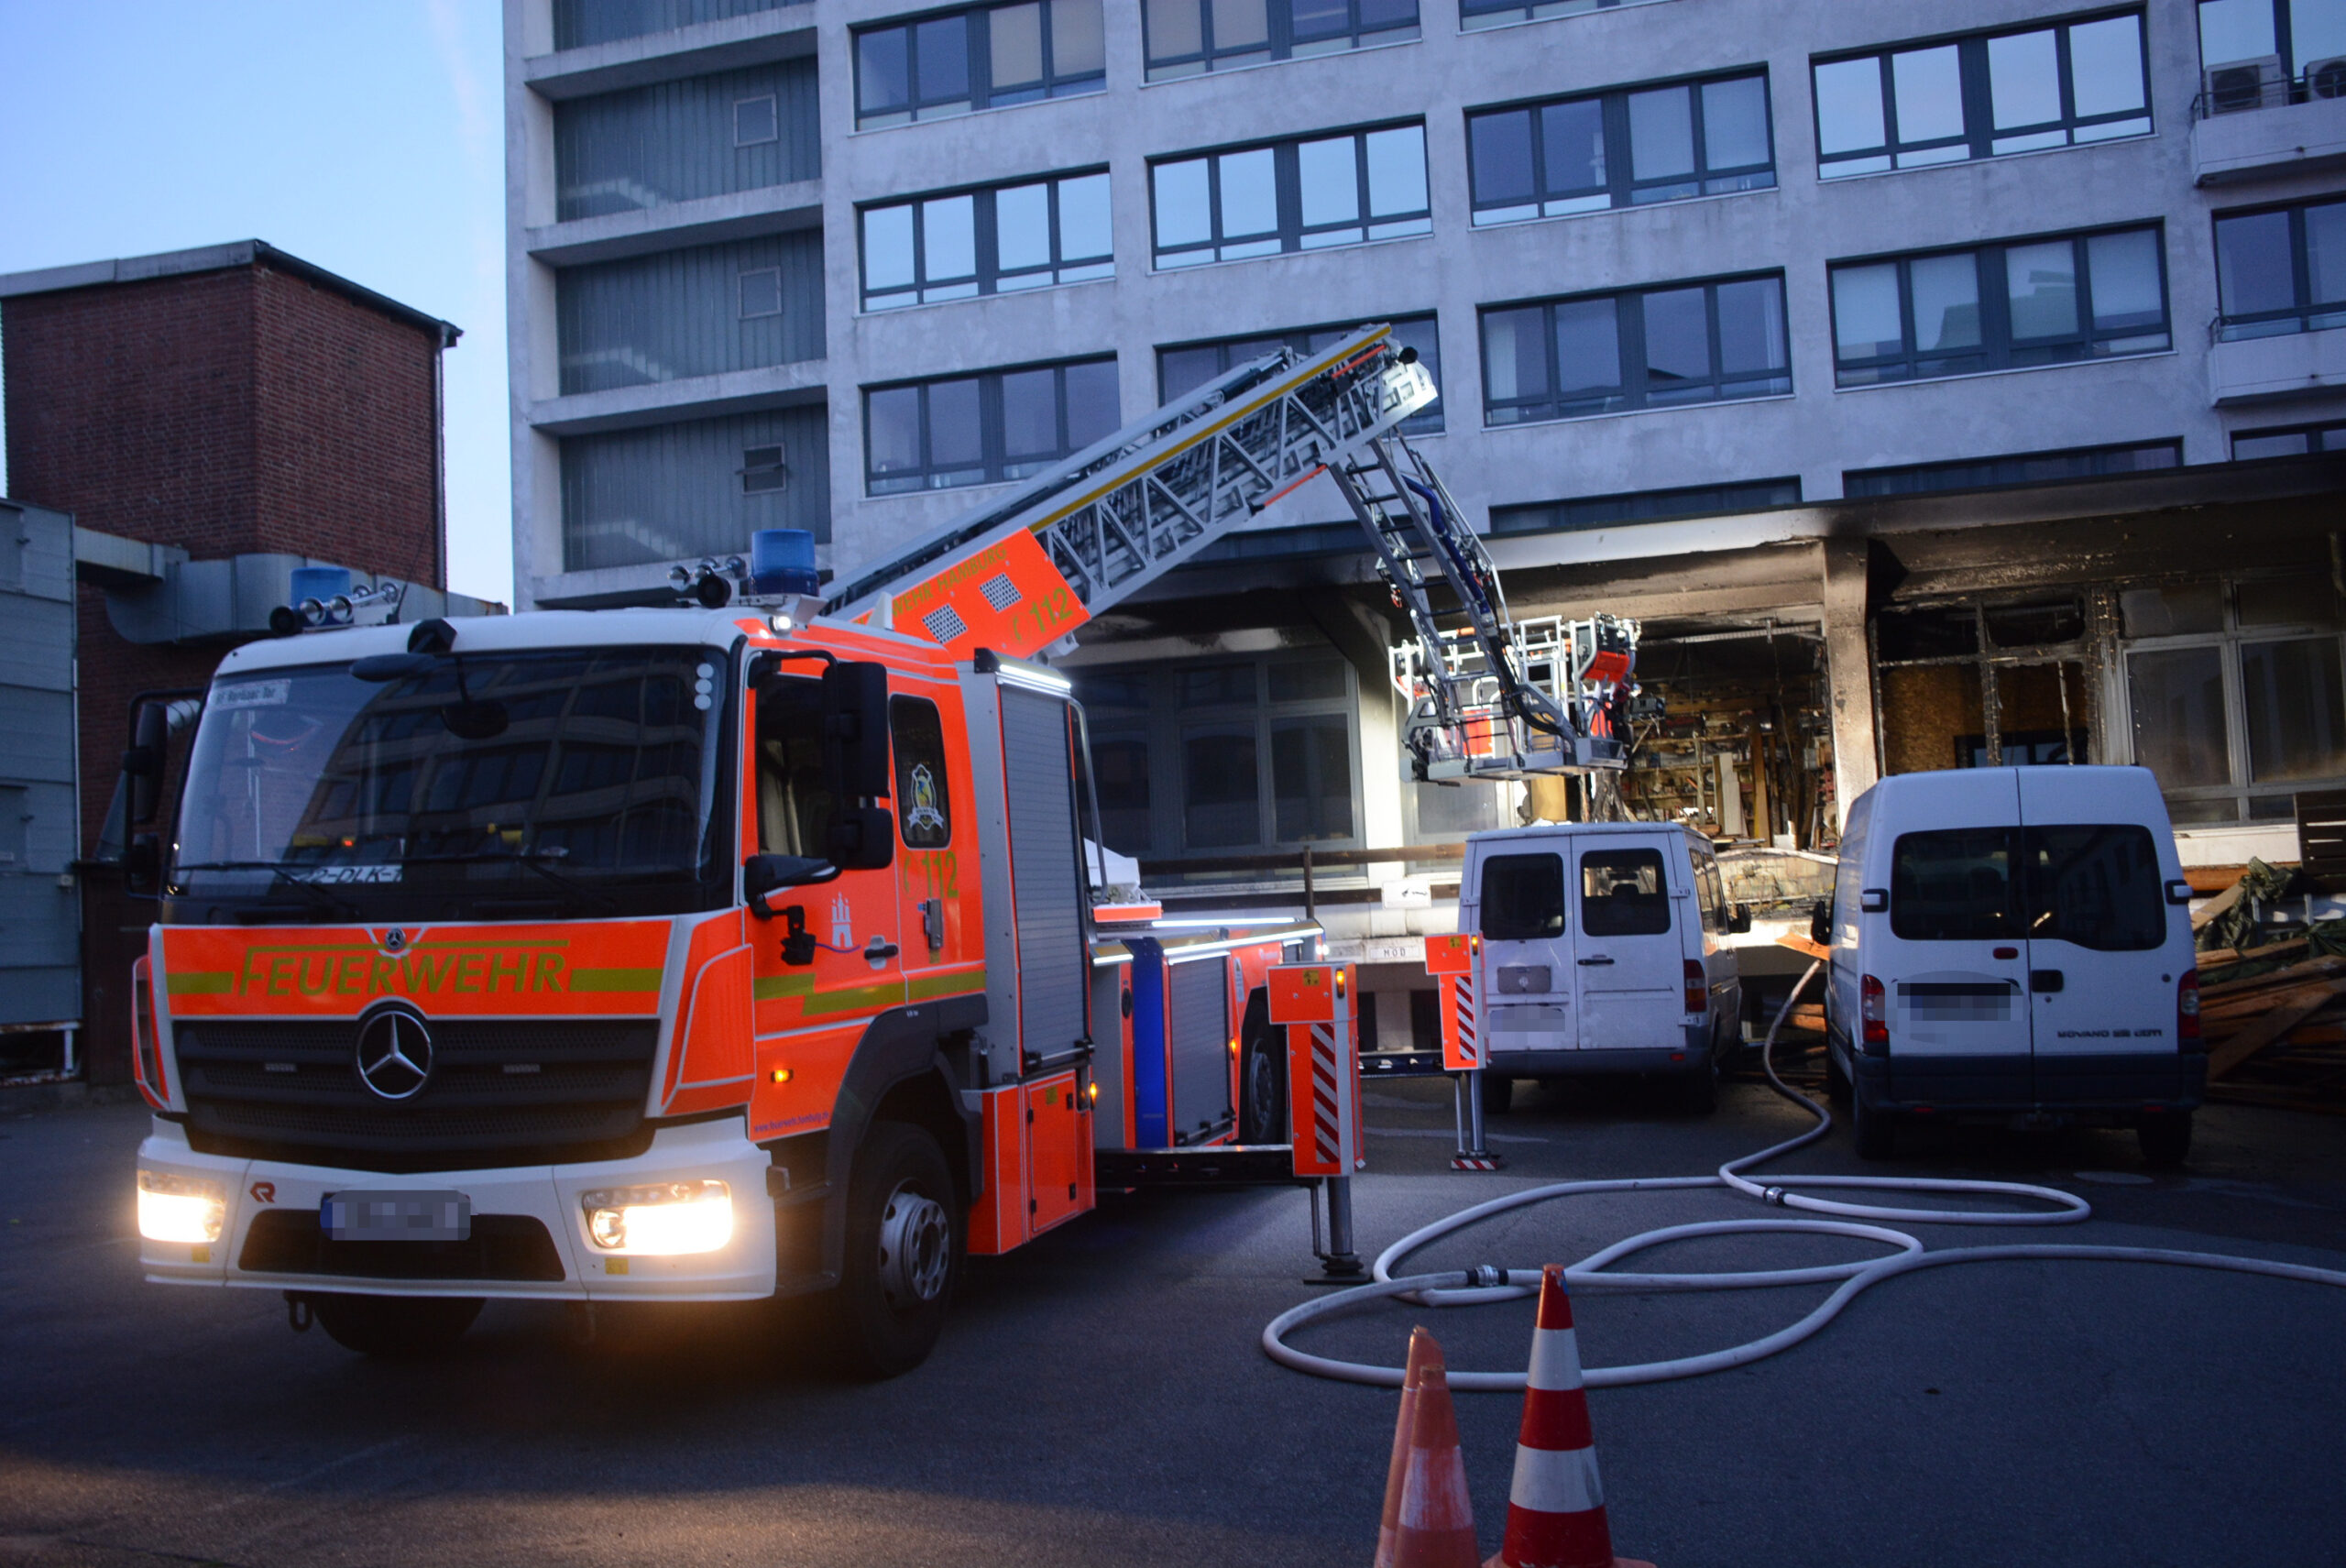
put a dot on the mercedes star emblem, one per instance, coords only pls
(394, 1055)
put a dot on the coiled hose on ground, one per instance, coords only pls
(1463, 1288)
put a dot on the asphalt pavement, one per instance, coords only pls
(1101, 1398)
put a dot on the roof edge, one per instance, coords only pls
(219, 259)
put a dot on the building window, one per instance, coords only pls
(2293, 441)
(2235, 693)
(1306, 194)
(984, 58)
(2257, 54)
(1225, 753)
(763, 472)
(762, 292)
(1189, 365)
(1644, 506)
(579, 22)
(1186, 37)
(2037, 302)
(978, 430)
(1982, 95)
(686, 141)
(1472, 14)
(703, 311)
(2282, 269)
(756, 120)
(1684, 138)
(2022, 469)
(995, 241)
(1648, 348)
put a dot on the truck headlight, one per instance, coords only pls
(663, 1218)
(174, 1208)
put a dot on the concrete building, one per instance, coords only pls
(1902, 372)
(40, 966)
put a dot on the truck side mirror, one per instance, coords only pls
(863, 839)
(142, 762)
(142, 865)
(855, 733)
(762, 874)
(1820, 923)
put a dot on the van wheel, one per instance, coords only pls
(2165, 1136)
(1498, 1093)
(904, 1245)
(395, 1328)
(1877, 1135)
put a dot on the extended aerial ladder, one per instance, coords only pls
(1020, 573)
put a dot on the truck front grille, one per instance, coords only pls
(530, 1091)
(503, 1246)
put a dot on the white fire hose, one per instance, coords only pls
(1456, 1288)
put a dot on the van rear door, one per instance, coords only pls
(1950, 955)
(1526, 978)
(1630, 959)
(2105, 951)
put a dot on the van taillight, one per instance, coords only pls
(1698, 987)
(1873, 1007)
(2187, 1006)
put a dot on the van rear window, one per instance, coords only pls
(1953, 885)
(1622, 894)
(1523, 897)
(2094, 885)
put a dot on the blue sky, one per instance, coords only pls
(366, 135)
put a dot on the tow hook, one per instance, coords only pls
(298, 1314)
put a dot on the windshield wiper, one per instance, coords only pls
(318, 898)
(535, 860)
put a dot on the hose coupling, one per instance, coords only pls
(1483, 1275)
(1773, 1195)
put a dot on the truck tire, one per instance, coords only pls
(1498, 1092)
(1261, 1081)
(2165, 1137)
(1877, 1135)
(395, 1328)
(904, 1247)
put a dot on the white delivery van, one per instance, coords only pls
(1602, 951)
(2013, 945)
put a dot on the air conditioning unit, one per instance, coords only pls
(2327, 77)
(2246, 84)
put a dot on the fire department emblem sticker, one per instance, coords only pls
(923, 819)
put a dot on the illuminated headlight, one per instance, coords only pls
(181, 1208)
(664, 1218)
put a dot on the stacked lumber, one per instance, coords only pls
(2277, 1037)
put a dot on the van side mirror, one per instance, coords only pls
(855, 733)
(1739, 919)
(1873, 900)
(762, 874)
(863, 839)
(2179, 892)
(1820, 923)
(142, 762)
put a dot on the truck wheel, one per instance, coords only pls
(396, 1328)
(2165, 1137)
(903, 1252)
(1876, 1136)
(1262, 1082)
(1498, 1092)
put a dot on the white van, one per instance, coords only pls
(1602, 951)
(2013, 945)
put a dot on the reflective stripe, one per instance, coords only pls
(1555, 1360)
(1550, 1482)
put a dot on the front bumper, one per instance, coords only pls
(513, 1198)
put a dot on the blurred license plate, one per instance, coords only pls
(397, 1215)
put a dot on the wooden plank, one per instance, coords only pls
(1801, 945)
(2215, 906)
(2267, 1029)
(2328, 964)
(2235, 1011)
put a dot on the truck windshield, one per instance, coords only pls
(584, 777)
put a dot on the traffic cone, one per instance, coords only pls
(1555, 1509)
(1433, 1523)
(1421, 1347)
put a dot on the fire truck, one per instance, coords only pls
(743, 941)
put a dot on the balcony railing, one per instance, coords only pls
(2265, 84)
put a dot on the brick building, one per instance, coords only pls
(209, 417)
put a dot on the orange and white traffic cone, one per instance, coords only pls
(1422, 1348)
(1433, 1523)
(1555, 1509)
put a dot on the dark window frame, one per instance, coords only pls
(903, 739)
(1980, 133)
(1706, 501)
(978, 58)
(1998, 349)
(2300, 314)
(1292, 231)
(1510, 929)
(2312, 433)
(1854, 481)
(985, 246)
(1477, 13)
(1280, 43)
(1428, 422)
(1622, 187)
(995, 463)
(2294, 86)
(1633, 393)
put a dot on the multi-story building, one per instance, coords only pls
(1940, 386)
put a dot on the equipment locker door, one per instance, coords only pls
(1197, 1037)
(1526, 977)
(2102, 979)
(1629, 955)
(1047, 886)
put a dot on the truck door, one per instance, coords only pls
(1630, 957)
(1524, 974)
(938, 887)
(1951, 956)
(2102, 980)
